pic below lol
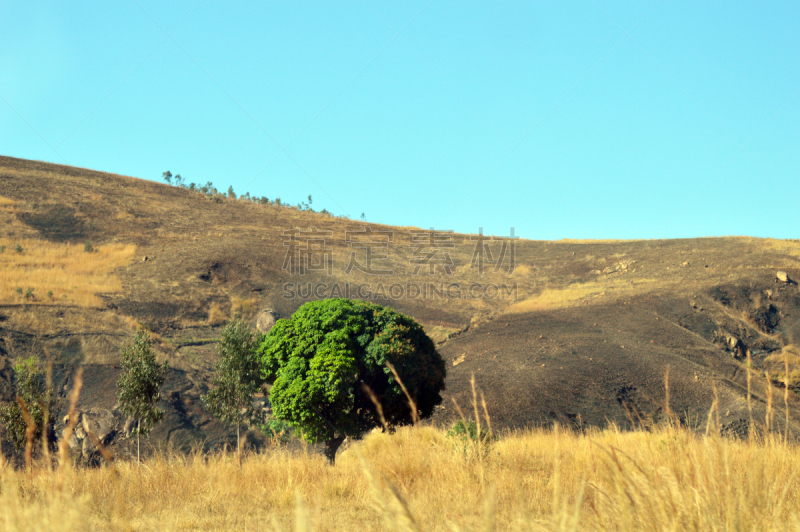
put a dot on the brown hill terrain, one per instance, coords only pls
(580, 331)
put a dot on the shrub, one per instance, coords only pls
(87, 247)
(18, 290)
(18, 248)
(276, 430)
(50, 294)
(2, 249)
(331, 360)
(467, 439)
(29, 294)
(29, 386)
(231, 193)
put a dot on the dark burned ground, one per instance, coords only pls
(608, 363)
(693, 305)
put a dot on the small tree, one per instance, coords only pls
(236, 380)
(167, 177)
(139, 385)
(326, 360)
(29, 385)
(231, 193)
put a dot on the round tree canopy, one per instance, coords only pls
(319, 361)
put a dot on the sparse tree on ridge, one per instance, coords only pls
(167, 177)
(322, 361)
(237, 378)
(139, 386)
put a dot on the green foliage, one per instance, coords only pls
(2, 249)
(139, 384)
(18, 248)
(275, 430)
(87, 247)
(29, 385)
(18, 290)
(237, 378)
(467, 439)
(319, 360)
(167, 177)
(50, 294)
(29, 294)
(231, 193)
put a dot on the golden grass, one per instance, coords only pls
(417, 479)
(582, 293)
(244, 308)
(790, 247)
(216, 315)
(74, 276)
(438, 333)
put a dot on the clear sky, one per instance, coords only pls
(595, 119)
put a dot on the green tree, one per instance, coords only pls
(231, 193)
(167, 177)
(139, 385)
(29, 385)
(237, 379)
(322, 360)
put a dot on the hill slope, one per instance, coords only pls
(581, 332)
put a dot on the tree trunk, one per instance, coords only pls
(331, 446)
(138, 435)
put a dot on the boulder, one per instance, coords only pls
(266, 319)
(88, 448)
(129, 423)
(99, 421)
(783, 277)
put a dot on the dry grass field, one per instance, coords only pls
(36, 271)
(584, 346)
(419, 479)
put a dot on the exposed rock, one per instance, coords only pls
(145, 258)
(99, 421)
(266, 319)
(733, 342)
(88, 448)
(128, 426)
(783, 277)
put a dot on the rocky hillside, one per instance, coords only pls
(582, 332)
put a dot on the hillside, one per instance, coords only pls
(582, 333)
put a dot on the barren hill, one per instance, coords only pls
(577, 331)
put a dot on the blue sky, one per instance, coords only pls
(659, 119)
